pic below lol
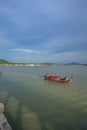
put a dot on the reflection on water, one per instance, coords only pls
(0, 72)
(35, 104)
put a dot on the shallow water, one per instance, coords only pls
(35, 104)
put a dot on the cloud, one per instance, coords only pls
(24, 50)
(62, 44)
(75, 56)
(39, 30)
(5, 41)
(28, 14)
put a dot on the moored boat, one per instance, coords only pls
(63, 81)
(57, 78)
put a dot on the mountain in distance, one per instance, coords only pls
(2, 61)
(73, 63)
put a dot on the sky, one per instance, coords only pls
(37, 31)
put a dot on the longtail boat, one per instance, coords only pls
(57, 78)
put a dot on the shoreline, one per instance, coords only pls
(4, 125)
(24, 64)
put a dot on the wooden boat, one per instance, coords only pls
(63, 81)
(57, 78)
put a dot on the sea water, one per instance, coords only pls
(32, 103)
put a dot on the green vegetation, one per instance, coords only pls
(46, 63)
(4, 61)
(11, 63)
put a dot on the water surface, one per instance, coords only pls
(35, 104)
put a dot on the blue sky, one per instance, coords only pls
(43, 31)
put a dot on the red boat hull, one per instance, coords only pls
(60, 80)
(63, 81)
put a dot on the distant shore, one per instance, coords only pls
(24, 64)
(7, 63)
(37, 64)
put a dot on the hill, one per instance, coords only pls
(4, 61)
(73, 63)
